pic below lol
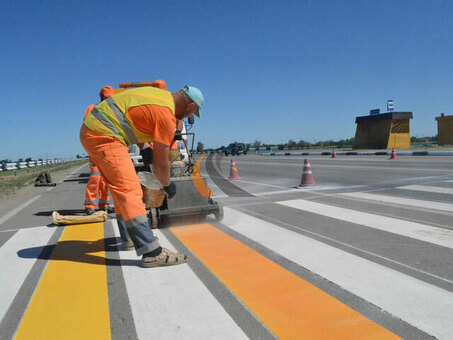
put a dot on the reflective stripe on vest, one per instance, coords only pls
(108, 124)
(124, 123)
(95, 173)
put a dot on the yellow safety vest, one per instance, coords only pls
(110, 117)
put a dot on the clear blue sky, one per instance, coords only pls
(269, 70)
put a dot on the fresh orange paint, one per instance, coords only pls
(289, 306)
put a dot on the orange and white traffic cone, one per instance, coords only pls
(393, 154)
(233, 171)
(334, 154)
(307, 176)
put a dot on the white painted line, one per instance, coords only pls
(263, 184)
(391, 168)
(422, 232)
(172, 302)
(427, 188)
(420, 304)
(15, 268)
(16, 210)
(400, 200)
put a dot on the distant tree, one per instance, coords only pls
(28, 159)
(291, 144)
(20, 160)
(200, 147)
(78, 156)
(303, 144)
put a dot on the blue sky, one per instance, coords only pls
(269, 70)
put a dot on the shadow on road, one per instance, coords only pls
(78, 251)
(83, 178)
(62, 212)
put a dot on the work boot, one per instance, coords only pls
(109, 209)
(89, 211)
(165, 258)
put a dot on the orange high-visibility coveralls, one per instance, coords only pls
(96, 183)
(112, 157)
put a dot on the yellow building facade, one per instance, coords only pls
(383, 131)
(444, 130)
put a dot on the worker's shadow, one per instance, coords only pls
(79, 251)
(83, 178)
(80, 212)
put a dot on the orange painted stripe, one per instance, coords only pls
(289, 306)
(71, 300)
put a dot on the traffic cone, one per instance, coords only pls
(307, 176)
(334, 154)
(393, 155)
(233, 171)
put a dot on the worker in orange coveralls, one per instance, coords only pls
(96, 183)
(138, 116)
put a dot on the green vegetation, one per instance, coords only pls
(302, 144)
(9, 182)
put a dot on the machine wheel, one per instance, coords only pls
(219, 213)
(153, 216)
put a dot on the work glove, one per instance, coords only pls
(147, 156)
(178, 135)
(170, 190)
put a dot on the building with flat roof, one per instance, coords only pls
(444, 129)
(383, 131)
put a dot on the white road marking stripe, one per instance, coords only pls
(420, 304)
(427, 188)
(422, 232)
(15, 268)
(400, 200)
(324, 165)
(16, 210)
(173, 303)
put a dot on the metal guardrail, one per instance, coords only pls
(12, 166)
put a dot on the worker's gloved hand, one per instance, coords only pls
(178, 135)
(170, 190)
(147, 156)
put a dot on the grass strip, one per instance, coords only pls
(10, 183)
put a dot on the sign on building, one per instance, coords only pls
(390, 107)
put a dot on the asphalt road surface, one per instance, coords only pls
(367, 253)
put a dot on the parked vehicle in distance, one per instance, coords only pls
(236, 149)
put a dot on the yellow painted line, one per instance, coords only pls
(289, 306)
(71, 300)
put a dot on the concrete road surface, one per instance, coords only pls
(365, 254)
